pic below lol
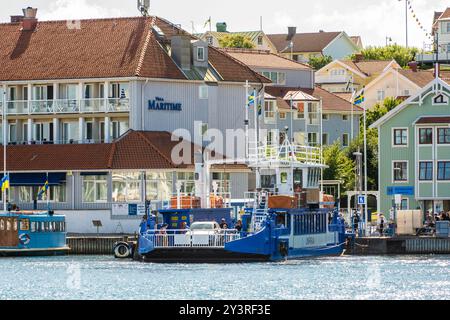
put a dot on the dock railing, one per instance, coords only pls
(191, 239)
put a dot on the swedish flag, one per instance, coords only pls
(5, 182)
(360, 99)
(259, 108)
(251, 101)
(43, 190)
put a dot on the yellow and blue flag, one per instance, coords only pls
(43, 190)
(250, 101)
(5, 182)
(360, 99)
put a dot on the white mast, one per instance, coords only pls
(5, 123)
(246, 119)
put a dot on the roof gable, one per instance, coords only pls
(436, 86)
(304, 42)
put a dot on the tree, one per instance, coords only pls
(319, 62)
(340, 166)
(236, 41)
(399, 53)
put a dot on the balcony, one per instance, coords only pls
(431, 57)
(332, 79)
(67, 106)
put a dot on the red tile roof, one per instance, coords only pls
(101, 48)
(135, 150)
(304, 42)
(330, 101)
(264, 59)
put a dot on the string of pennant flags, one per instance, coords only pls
(418, 22)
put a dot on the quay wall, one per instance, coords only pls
(400, 245)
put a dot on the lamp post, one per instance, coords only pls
(388, 41)
(406, 20)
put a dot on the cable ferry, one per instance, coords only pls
(24, 233)
(275, 224)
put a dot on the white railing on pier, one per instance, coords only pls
(191, 239)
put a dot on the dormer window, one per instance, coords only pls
(260, 41)
(201, 54)
(440, 99)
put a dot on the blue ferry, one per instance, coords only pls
(25, 233)
(285, 221)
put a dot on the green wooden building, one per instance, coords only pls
(414, 151)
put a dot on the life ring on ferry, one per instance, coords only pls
(122, 250)
(24, 239)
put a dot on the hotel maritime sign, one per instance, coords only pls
(160, 105)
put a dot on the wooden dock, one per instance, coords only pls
(400, 245)
(94, 245)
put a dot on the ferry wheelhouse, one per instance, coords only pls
(32, 233)
(284, 222)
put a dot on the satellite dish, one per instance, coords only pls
(144, 7)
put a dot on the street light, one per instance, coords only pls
(388, 41)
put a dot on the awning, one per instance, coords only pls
(36, 179)
(93, 173)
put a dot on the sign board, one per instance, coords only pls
(128, 209)
(160, 105)
(361, 200)
(405, 191)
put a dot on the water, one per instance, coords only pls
(103, 277)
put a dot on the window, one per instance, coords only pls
(223, 182)
(25, 132)
(313, 113)
(126, 187)
(200, 53)
(325, 116)
(158, 185)
(210, 41)
(56, 194)
(70, 132)
(325, 139)
(426, 171)
(440, 99)
(448, 27)
(444, 135)
(312, 138)
(426, 136)
(12, 132)
(95, 189)
(118, 90)
(400, 171)
(406, 93)
(89, 131)
(345, 117)
(118, 128)
(276, 77)
(282, 115)
(444, 170)
(101, 132)
(186, 181)
(380, 95)
(203, 92)
(345, 140)
(400, 137)
(269, 109)
(337, 72)
(260, 41)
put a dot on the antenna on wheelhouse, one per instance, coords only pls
(143, 7)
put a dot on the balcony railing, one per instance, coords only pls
(66, 106)
(431, 57)
(332, 79)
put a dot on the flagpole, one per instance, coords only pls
(365, 166)
(246, 119)
(48, 193)
(4, 148)
(255, 110)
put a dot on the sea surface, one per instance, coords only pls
(103, 277)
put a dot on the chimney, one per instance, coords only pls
(358, 57)
(221, 27)
(292, 31)
(321, 31)
(29, 21)
(413, 66)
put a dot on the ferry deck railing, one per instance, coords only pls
(286, 152)
(191, 239)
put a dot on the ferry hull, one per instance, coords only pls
(41, 252)
(200, 255)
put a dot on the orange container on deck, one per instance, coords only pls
(216, 201)
(282, 202)
(186, 202)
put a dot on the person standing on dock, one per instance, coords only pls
(382, 222)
